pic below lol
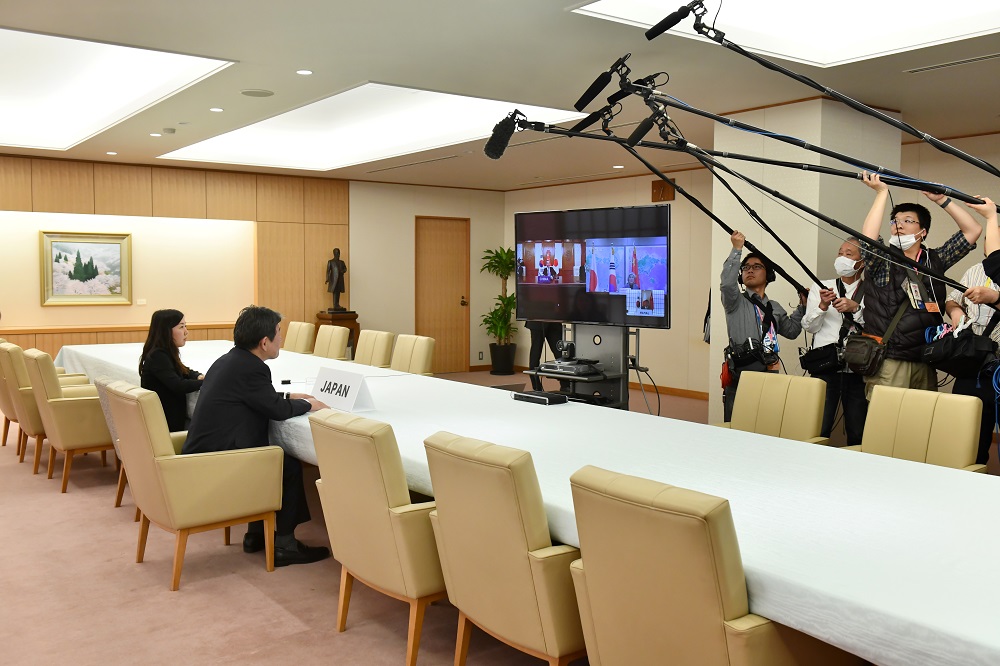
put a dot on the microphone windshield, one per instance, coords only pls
(502, 132)
(599, 84)
(666, 24)
(641, 130)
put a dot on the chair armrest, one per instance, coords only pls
(79, 391)
(976, 468)
(722, 425)
(557, 604)
(586, 612)
(80, 422)
(856, 447)
(178, 439)
(822, 441)
(203, 488)
(418, 555)
(73, 380)
(756, 641)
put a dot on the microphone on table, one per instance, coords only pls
(502, 132)
(599, 84)
(671, 20)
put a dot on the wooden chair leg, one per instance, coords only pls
(464, 635)
(122, 480)
(225, 536)
(344, 602)
(6, 429)
(138, 514)
(104, 458)
(417, 608)
(67, 466)
(38, 453)
(140, 550)
(17, 449)
(118, 463)
(22, 446)
(269, 541)
(52, 460)
(179, 548)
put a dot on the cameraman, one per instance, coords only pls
(753, 321)
(831, 315)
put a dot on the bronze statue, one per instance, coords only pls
(335, 271)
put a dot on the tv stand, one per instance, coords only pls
(607, 344)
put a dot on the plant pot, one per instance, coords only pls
(502, 358)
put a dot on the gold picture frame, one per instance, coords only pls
(86, 269)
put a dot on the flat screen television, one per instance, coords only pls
(597, 266)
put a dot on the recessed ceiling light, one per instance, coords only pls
(800, 31)
(355, 126)
(618, 166)
(304, 72)
(65, 91)
(155, 134)
(256, 92)
(111, 152)
(216, 109)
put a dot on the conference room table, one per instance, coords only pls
(888, 559)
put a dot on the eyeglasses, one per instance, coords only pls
(904, 221)
(752, 267)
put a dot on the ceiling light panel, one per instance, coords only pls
(821, 33)
(58, 92)
(371, 122)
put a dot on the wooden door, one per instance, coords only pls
(442, 289)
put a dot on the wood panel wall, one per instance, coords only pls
(50, 339)
(299, 221)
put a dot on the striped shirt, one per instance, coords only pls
(979, 314)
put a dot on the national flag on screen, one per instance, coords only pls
(635, 268)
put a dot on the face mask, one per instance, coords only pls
(845, 266)
(904, 242)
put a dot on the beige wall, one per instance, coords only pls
(204, 270)
(677, 357)
(382, 222)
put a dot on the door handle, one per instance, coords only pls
(463, 302)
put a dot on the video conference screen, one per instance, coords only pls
(596, 266)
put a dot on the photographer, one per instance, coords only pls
(752, 320)
(831, 315)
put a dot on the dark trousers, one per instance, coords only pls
(549, 332)
(985, 393)
(848, 389)
(294, 510)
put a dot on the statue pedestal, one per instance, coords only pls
(347, 319)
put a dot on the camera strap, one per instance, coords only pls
(849, 325)
(766, 320)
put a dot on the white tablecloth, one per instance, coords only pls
(888, 559)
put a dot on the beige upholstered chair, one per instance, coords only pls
(413, 353)
(7, 407)
(661, 581)
(331, 342)
(299, 337)
(502, 571)
(19, 382)
(923, 426)
(374, 348)
(101, 384)
(376, 534)
(779, 405)
(187, 494)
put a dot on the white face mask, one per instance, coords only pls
(904, 242)
(844, 266)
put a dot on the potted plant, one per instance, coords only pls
(501, 262)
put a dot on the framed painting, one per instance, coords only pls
(86, 269)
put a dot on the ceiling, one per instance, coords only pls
(526, 51)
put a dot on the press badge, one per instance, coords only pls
(913, 292)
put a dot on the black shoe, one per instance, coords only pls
(253, 543)
(299, 554)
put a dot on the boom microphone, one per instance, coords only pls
(502, 132)
(599, 84)
(641, 130)
(588, 121)
(671, 20)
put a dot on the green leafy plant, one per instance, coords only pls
(500, 262)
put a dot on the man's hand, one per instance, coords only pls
(803, 298)
(315, 405)
(982, 295)
(738, 240)
(826, 296)
(936, 198)
(873, 181)
(986, 209)
(846, 305)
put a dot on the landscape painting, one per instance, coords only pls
(86, 269)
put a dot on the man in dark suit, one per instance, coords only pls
(236, 403)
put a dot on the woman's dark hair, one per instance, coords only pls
(161, 336)
(255, 323)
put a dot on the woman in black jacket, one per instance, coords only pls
(161, 370)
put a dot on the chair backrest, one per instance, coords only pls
(331, 341)
(779, 405)
(46, 388)
(413, 353)
(663, 569)
(19, 385)
(102, 383)
(373, 348)
(489, 516)
(143, 436)
(6, 392)
(299, 337)
(362, 478)
(923, 426)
